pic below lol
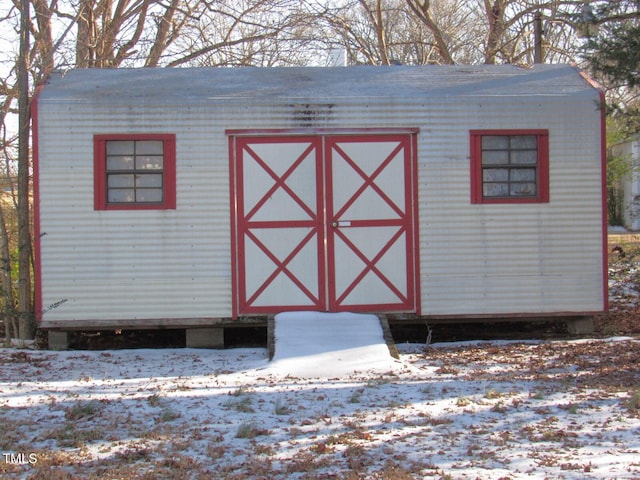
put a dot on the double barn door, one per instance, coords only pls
(323, 222)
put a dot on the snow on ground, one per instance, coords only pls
(324, 345)
(496, 410)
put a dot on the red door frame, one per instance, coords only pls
(244, 224)
(405, 222)
(321, 222)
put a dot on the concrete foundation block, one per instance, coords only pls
(581, 326)
(58, 340)
(205, 337)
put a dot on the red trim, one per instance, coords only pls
(37, 233)
(234, 238)
(242, 223)
(587, 78)
(279, 181)
(605, 220)
(603, 161)
(281, 267)
(475, 148)
(368, 180)
(267, 132)
(239, 200)
(416, 230)
(169, 171)
(404, 222)
(370, 266)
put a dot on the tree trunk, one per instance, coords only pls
(85, 42)
(43, 38)
(162, 35)
(495, 20)
(25, 324)
(422, 11)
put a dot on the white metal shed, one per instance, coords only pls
(197, 197)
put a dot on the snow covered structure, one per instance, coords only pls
(199, 198)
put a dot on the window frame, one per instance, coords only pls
(168, 171)
(542, 167)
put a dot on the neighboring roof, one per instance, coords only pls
(176, 84)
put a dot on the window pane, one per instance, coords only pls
(121, 196)
(495, 175)
(119, 163)
(133, 172)
(149, 181)
(149, 195)
(523, 174)
(511, 165)
(120, 181)
(521, 142)
(528, 157)
(149, 147)
(149, 163)
(495, 157)
(523, 189)
(120, 147)
(495, 189)
(495, 142)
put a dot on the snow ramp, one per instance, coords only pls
(328, 345)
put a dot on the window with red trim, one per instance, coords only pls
(509, 166)
(134, 172)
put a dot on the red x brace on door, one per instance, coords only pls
(324, 223)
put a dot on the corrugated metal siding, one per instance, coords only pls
(532, 258)
(133, 264)
(474, 259)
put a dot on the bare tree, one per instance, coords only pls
(8, 140)
(108, 32)
(242, 33)
(155, 33)
(450, 31)
(495, 12)
(422, 10)
(7, 218)
(25, 310)
(377, 32)
(9, 312)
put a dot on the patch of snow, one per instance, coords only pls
(329, 345)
